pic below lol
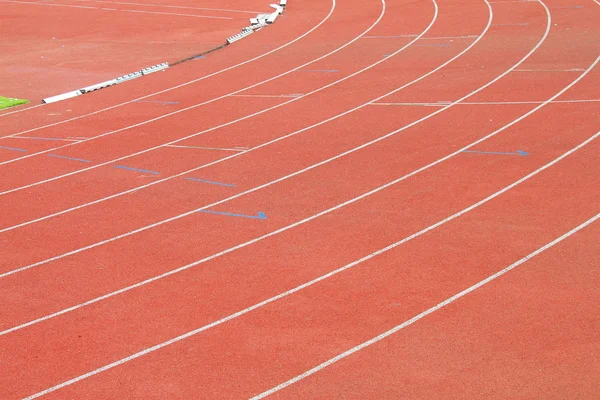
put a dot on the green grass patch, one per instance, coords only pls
(6, 102)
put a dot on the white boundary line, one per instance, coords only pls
(326, 276)
(263, 144)
(171, 6)
(172, 272)
(281, 138)
(252, 149)
(18, 110)
(268, 109)
(426, 312)
(110, 9)
(333, 6)
(276, 232)
(206, 130)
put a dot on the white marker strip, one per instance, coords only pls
(61, 97)
(303, 286)
(239, 36)
(102, 85)
(272, 18)
(425, 313)
(327, 17)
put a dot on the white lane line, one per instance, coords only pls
(256, 147)
(425, 313)
(468, 103)
(298, 223)
(333, 6)
(211, 148)
(18, 110)
(276, 181)
(110, 9)
(311, 283)
(269, 142)
(206, 130)
(273, 141)
(170, 6)
(175, 14)
(263, 145)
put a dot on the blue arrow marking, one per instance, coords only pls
(136, 169)
(13, 149)
(515, 153)
(261, 215)
(68, 158)
(210, 182)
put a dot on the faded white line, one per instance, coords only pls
(425, 313)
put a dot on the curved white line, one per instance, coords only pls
(342, 269)
(333, 6)
(276, 181)
(434, 308)
(6, 229)
(139, 354)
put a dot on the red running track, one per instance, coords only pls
(384, 203)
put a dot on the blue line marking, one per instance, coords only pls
(136, 169)
(210, 182)
(198, 58)
(13, 149)
(515, 153)
(68, 158)
(319, 70)
(260, 215)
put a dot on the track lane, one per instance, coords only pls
(94, 187)
(519, 339)
(67, 240)
(259, 327)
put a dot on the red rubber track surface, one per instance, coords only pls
(394, 159)
(52, 47)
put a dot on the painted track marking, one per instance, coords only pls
(335, 272)
(364, 195)
(425, 313)
(333, 6)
